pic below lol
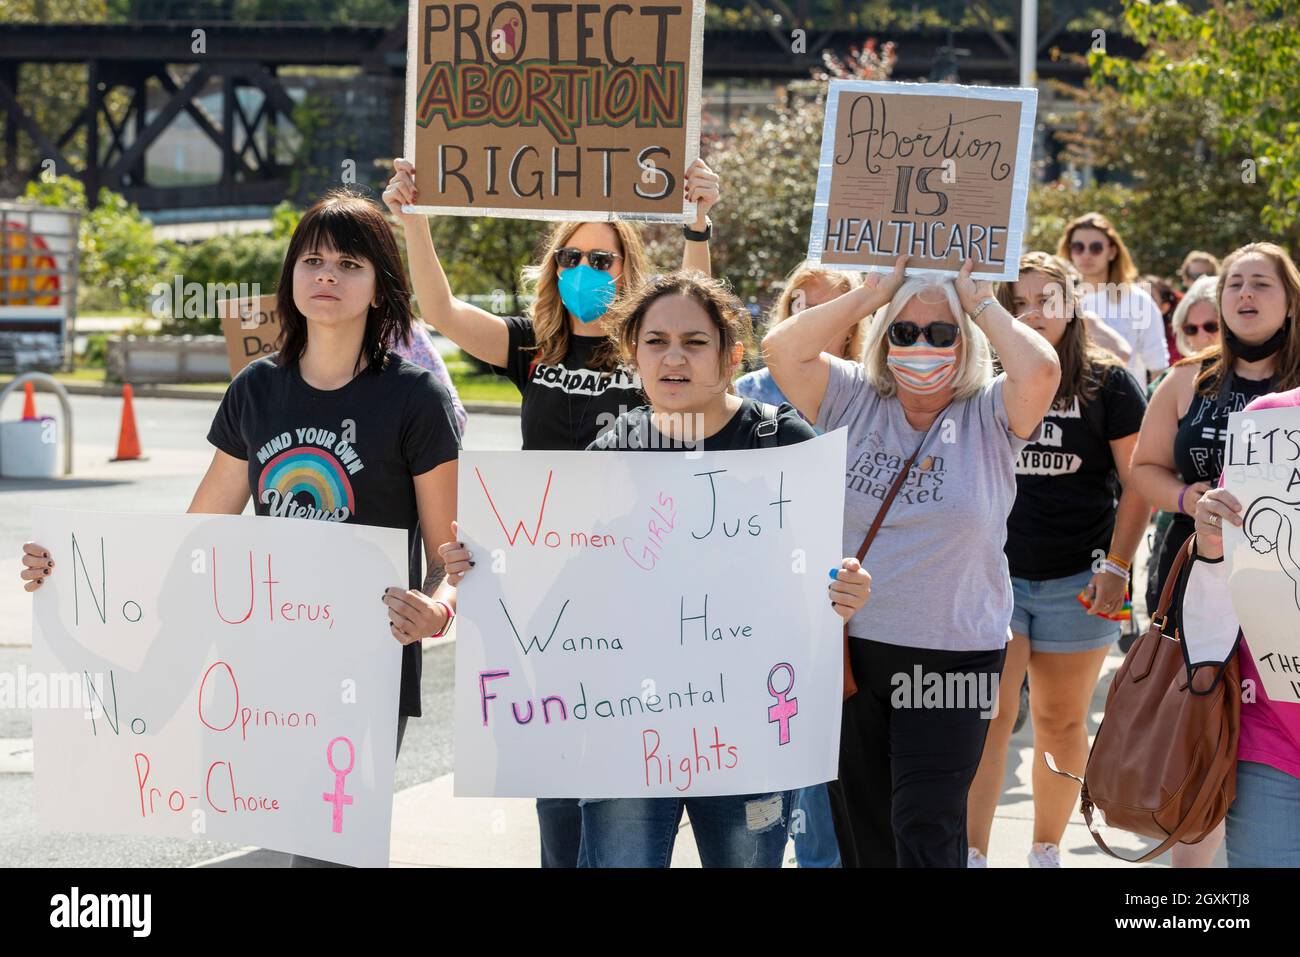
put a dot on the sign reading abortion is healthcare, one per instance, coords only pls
(934, 170)
(554, 111)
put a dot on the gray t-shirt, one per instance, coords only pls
(939, 575)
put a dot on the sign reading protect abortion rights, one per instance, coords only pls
(1261, 467)
(649, 625)
(554, 111)
(239, 677)
(938, 171)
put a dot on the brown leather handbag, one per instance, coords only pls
(1164, 761)
(850, 685)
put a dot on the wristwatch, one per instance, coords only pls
(699, 235)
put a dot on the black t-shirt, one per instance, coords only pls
(1066, 482)
(566, 405)
(753, 426)
(362, 444)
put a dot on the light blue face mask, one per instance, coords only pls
(586, 292)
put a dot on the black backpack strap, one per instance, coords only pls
(767, 429)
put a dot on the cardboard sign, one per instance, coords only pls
(936, 170)
(251, 328)
(1262, 469)
(230, 678)
(649, 624)
(556, 111)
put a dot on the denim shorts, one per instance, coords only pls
(1264, 821)
(1050, 613)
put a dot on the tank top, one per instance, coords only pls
(1203, 431)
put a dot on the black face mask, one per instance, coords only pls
(1254, 353)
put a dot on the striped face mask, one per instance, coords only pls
(922, 369)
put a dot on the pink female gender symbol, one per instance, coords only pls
(338, 798)
(784, 709)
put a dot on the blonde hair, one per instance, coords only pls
(807, 272)
(1205, 289)
(551, 328)
(1121, 270)
(976, 366)
(1199, 256)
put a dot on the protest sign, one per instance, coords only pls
(935, 170)
(649, 625)
(251, 328)
(230, 678)
(1262, 469)
(555, 111)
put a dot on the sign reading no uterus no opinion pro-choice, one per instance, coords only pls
(556, 110)
(649, 624)
(938, 171)
(234, 676)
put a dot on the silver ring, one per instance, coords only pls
(1214, 520)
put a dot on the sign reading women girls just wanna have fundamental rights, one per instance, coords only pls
(935, 170)
(649, 625)
(236, 678)
(554, 111)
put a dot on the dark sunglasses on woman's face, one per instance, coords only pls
(1211, 327)
(941, 335)
(1096, 247)
(601, 260)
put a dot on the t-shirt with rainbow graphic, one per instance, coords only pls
(346, 455)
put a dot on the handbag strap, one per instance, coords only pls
(893, 489)
(1171, 581)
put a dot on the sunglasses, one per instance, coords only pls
(601, 260)
(1211, 327)
(941, 335)
(1096, 247)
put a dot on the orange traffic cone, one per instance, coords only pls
(128, 441)
(29, 401)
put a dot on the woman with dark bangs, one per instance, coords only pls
(342, 296)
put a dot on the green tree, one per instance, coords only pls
(1241, 61)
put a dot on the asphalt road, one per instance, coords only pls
(172, 434)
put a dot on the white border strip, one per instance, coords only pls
(694, 93)
(1027, 97)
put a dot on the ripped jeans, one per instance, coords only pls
(746, 830)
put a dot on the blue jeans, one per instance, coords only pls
(1264, 820)
(813, 829)
(747, 830)
(559, 823)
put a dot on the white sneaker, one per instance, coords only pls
(975, 859)
(1044, 855)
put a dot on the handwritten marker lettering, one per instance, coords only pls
(338, 798)
(784, 709)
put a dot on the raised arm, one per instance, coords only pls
(1032, 368)
(792, 348)
(475, 330)
(703, 188)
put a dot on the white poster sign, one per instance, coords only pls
(1262, 469)
(226, 677)
(645, 624)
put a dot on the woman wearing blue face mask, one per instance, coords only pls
(559, 355)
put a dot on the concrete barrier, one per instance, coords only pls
(145, 359)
